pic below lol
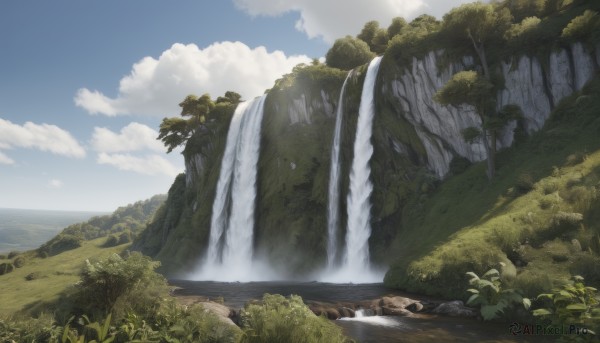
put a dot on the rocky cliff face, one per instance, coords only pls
(535, 86)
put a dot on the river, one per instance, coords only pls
(380, 329)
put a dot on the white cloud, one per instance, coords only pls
(42, 137)
(334, 19)
(156, 86)
(54, 183)
(5, 159)
(133, 137)
(149, 165)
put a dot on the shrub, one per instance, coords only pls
(348, 53)
(13, 254)
(111, 241)
(280, 319)
(59, 244)
(6, 268)
(19, 262)
(573, 303)
(495, 302)
(524, 183)
(581, 26)
(131, 283)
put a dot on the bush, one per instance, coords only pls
(13, 254)
(19, 262)
(111, 241)
(348, 53)
(582, 26)
(130, 283)
(280, 319)
(524, 183)
(6, 268)
(59, 244)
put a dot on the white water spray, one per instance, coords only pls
(229, 255)
(334, 183)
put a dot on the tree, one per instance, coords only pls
(473, 27)
(347, 53)
(477, 25)
(470, 87)
(194, 112)
(380, 41)
(396, 26)
(368, 32)
(230, 97)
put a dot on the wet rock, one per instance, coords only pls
(388, 311)
(415, 307)
(455, 309)
(346, 312)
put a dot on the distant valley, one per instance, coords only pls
(22, 229)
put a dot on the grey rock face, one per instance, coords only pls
(535, 90)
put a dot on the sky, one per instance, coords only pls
(84, 84)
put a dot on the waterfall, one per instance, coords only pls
(359, 205)
(355, 266)
(230, 249)
(334, 183)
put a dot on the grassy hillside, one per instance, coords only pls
(41, 280)
(539, 215)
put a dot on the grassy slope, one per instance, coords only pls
(470, 224)
(54, 275)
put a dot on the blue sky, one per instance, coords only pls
(84, 84)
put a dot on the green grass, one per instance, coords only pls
(525, 215)
(52, 276)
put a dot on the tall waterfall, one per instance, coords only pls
(359, 205)
(355, 265)
(229, 254)
(334, 183)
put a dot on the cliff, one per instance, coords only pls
(415, 142)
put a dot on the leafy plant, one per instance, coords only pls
(280, 319)
(573, 303)
(494, 301)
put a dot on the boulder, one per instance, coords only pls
(455, 309)
(388, 311)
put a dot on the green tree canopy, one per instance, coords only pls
(396, 26)
(347, 53)
(195, 111)
(466, 87)
(476, 25)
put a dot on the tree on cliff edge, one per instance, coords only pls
(176, 131)
(472, 28)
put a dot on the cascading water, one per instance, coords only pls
(229, 254)
(359, 205)
(355, 265)
(334, 183)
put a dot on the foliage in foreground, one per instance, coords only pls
(495, 301)
(280, 319)
(572, 304)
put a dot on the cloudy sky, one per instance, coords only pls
(85, 84)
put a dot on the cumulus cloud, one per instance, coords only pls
(5, 159)
(54, 183)
(334, 19)
(133, 137)
(150, 164)
(44, 137)
(156, 86)
(134, 148)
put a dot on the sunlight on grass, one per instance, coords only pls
(50, 276)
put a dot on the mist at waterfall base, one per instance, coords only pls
(230, 256)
